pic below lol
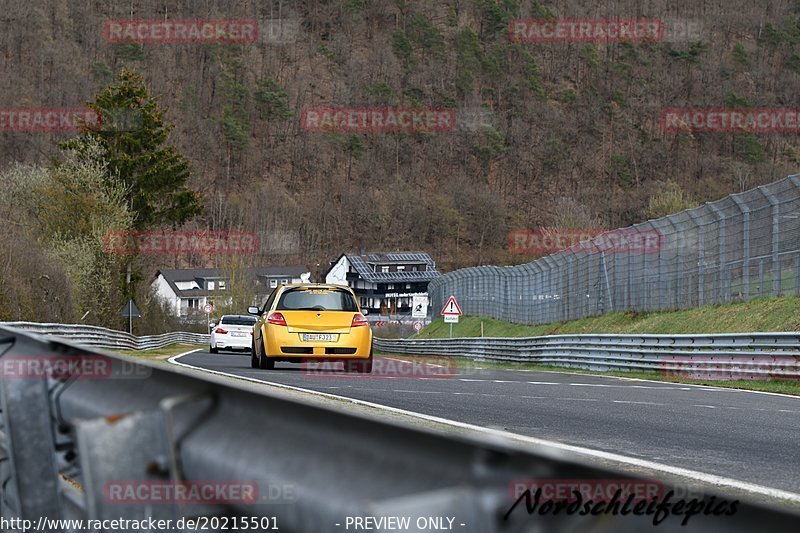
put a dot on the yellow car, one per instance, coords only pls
(311, 322)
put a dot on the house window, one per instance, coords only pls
(284, 281)
(408, 285)
(273, 283)
(211, 285)
(414, 268)
(400, 268)
(390, 286)
(221, 285)
(384, 269)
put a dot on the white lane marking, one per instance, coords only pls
(411, 391)
(578, 399)
(464, 393)
(659, 388)
(503, 381)
(535, 397)
(711, 479)
(690, 385)
(543, 383)
(465, 379)
(637, 403)
(707, 406)
(626, 386)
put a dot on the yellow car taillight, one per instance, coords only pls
(359, 320)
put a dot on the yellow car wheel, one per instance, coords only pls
(253, 359)
(264, 362)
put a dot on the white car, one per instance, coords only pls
(234, 332)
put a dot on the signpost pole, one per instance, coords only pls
(208, 308)
(127, 312)
(451, 311)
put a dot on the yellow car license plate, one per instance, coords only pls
(324, 337)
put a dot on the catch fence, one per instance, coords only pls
(743, 246)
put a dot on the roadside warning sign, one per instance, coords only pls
(451, 307)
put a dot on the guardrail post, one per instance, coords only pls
(117, 451)
(28, 428)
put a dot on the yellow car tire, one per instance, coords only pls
(264, 362)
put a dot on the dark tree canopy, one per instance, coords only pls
(133, 133)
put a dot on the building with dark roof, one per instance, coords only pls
(385, 283)
(187, 290)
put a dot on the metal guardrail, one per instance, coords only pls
(66, 439)
(718, 355)
(109, 338)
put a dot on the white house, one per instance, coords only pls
(187, 290)
(385, 283)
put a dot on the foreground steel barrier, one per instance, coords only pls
(100, 337)
(81, 440)
(771, 355)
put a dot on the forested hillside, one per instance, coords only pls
(547, 134)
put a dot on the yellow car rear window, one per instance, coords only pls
(317, 299)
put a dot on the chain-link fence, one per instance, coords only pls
(743, 246)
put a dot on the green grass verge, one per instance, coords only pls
(162, 353)
(763, 314)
